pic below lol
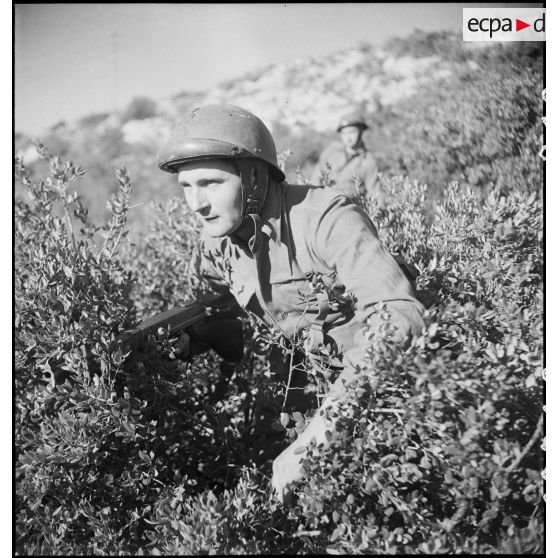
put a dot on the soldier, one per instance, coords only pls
(304, 259)
(353, 168)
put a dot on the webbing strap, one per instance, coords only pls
(255, 183)
(255, 240)
(316, 330)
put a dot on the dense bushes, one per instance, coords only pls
(481, 126)
(439, 448)
(139, 108)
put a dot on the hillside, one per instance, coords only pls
(301, 101)
(301, 94)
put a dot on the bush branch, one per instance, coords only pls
(530, 443)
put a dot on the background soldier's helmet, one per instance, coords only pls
(352, 119)
(219, 131)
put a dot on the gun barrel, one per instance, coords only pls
(178, 319)
(173, 321)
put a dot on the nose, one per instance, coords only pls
(196, 199)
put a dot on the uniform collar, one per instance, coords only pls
(360, 150)
(271, 221)
(276, 226)
(277, 260)
(270, 216)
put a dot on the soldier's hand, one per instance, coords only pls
(287, 469)
(180, 347)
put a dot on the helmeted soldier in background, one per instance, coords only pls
(305, 260)
(353, 168)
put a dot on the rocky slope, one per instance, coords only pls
(312, 93)
(301, 94)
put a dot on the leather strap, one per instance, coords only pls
(315, 337)
(255, 183)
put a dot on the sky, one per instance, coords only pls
(72, 60)
(75, 59)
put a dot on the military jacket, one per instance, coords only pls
(313, 236)
(345, 168)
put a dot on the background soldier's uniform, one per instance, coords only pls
(344, 168)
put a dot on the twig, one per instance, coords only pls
(186, 415)
(292, 356)
(387, 410)
(278, 532)
(289, 379)
(115, 247)
(307, 533)
(396, 412)
(69, 224)
(399, 504)
(458, 515)
(530, 443)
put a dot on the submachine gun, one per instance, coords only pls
(205, 322)
(210, 324)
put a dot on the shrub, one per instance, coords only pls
(101, 438)
(139, 109)
(441, 447)
(438, 449)
(479, 127)
(93, 120)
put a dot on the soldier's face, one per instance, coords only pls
(350, 136)
(213, 190)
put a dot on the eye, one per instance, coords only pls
(211, 182)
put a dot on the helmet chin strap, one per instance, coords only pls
(254, 176)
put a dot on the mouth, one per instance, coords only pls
(211, 219)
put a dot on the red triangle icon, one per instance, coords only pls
(519, 25)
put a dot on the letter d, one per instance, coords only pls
(538, 26)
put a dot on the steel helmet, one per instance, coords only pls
(352, 119)
(219, 131)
